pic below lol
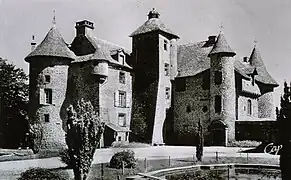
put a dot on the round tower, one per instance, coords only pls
(48, 72)
(222, 92)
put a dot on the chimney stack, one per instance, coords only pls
(211, 39)
(84, 28)
(33, 43)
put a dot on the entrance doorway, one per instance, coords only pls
(218, 131)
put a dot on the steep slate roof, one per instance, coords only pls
(153, 24)
(263, 75)
(52, 45)
(99, 54)
(193, 59)
(221, 46)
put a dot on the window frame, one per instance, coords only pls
(218, 104)
(123, 115)
(167, 92)
(166, 43)
(46, 118)
(167, 69)
(218, 77)
(47, 78)
(122, 77)
(249, 107)
(48, 95)
(122, 101)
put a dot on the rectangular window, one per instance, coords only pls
(180, 84)
(167, 92)
(48, 96)
(122, 59)
(167, 69)
(122, 119)
(122, 98)
(47, 78)
(122, 77)
(217, 104)
(165, 45)
(46, 118)
(206, 81)
(119, 138)
(249, 107)
(218, 77)
(126, 136)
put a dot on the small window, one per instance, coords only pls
(46, 118)
(217, 104)
(249, 107)
(122, 77)
(122, 119)
(167, 92)
(48, 96)
(122, 59)
(206, 81)
(218, 77)
(47, 78)
(122, 98)
(180, 84)
(167, 69)
(119, 138)
(165, 45)
(126, 136)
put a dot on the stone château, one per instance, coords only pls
(156, 93)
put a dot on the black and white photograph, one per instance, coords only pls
(145, 90)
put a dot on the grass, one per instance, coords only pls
(123, 144)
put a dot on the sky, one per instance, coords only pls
(268, 22)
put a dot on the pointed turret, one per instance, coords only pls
(221, 47)
(263, 75)
(153, 24)
(52, 45)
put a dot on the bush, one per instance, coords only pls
(126, 156)
(65, 158)
(39, 174)
(125, 144)
(245, 144)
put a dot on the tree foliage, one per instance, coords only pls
(84, 130)
(13, 105)
(284, 138)
(200, 143)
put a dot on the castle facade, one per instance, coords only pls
(156, 93)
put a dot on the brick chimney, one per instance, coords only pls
(84, 27)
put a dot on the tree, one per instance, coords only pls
(13, 105)
(200, 142)
(84, 130)
(284, 138)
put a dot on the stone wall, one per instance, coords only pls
(190, 106)
(57, 70)
(243, 108)
(266, 102)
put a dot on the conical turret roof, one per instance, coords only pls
(263, 75)
(221, 46)
(52, 45)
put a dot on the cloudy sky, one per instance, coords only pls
(244, 21)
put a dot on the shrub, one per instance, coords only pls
(125, 144)
(126, 156)
(65, 157)
(39, 174)
(245, 144)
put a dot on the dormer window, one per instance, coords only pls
(166, 45)
(122, 59)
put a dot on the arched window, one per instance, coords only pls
(249, 107)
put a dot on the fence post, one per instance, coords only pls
(247, 158)
(122, 172)
(118, 177)
(216, 156)
(228, 172)
(169, 161)
(102, 171)
(145, 165)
